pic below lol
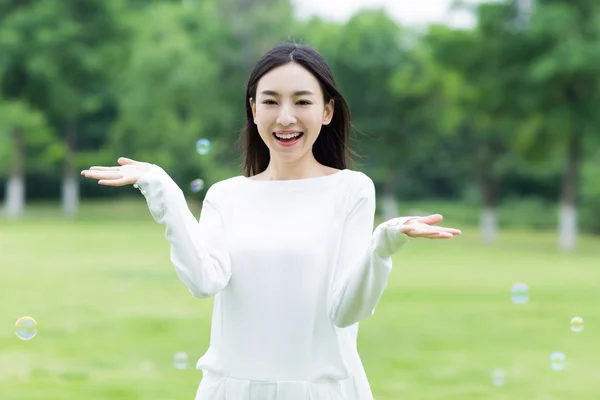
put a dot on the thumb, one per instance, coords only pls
(431, 219)
(125, 161)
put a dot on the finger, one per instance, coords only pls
(103, 175)
(434, 233)
(96, 168)
(431, 219)
(114, 182)
(125, 161)
(442, 236)
(449, 230)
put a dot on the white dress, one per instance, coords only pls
(291, 266)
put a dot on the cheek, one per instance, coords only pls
(261, 119)
(264, 116)
(312, 120)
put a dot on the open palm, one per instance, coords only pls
(127, 173)
(424, 227)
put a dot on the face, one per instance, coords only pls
(289, 103)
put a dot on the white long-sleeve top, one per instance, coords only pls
(292, 268)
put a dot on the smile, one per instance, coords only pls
(288, 139)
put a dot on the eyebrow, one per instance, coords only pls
(296, 93)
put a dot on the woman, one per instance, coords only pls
(288, 248)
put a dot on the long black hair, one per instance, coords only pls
(332, 146)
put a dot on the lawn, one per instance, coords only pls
(112, 313)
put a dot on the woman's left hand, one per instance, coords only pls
(391, 235)
(424, 227)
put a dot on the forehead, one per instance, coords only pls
(288, 79)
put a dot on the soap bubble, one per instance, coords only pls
(558, 361)
(519, 293)
(196, 185)
(498, 377)
(180, 360)
(203, 146)
(26, 328)
(577, 324)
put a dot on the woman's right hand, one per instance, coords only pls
(127, 173)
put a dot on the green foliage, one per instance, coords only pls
(435, 113)
(17, 115)
(590, 195)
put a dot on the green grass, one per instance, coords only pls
(111, 313)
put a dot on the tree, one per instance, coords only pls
(22, 123)
(488, 63)
(198, 58)
(23, 130)
(365, 54)
(564, 59)
(57, 57)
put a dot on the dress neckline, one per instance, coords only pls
(285, 182)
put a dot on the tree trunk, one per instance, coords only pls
(488, 223)
(567, 219)
(14, 203)
(389, 203)
(70, 183)
(489, 186)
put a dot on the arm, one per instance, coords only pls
(198, 250)
(363, 269)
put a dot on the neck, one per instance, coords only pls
(308, 167)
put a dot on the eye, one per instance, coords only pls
(269, 102)
(304, 102)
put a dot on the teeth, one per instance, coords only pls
(287, 135)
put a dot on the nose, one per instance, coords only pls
(286, 117)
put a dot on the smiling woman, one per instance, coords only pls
(288, 249)
(297, 121)
(290, 115)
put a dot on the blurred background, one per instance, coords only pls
(485, 112)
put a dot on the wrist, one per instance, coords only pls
(387, 240)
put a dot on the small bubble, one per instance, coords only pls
(26, 328)
(558, 361)
(196, 185)
(203, 146)
(577, 324)
(180, 360)
(498, 378)
(519, 293)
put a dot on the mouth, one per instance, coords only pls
(288, 139)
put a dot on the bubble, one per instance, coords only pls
(26, 328)
(203, 146)
(196, 185)
(577, 324)
(519, 293)
(180, 360)
(498, 377)
(557, 361)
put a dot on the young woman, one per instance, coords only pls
(288, 248)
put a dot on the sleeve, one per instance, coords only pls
(198, 249)
(361, 273)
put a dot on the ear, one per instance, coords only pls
(328, 112)
(253, 106)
